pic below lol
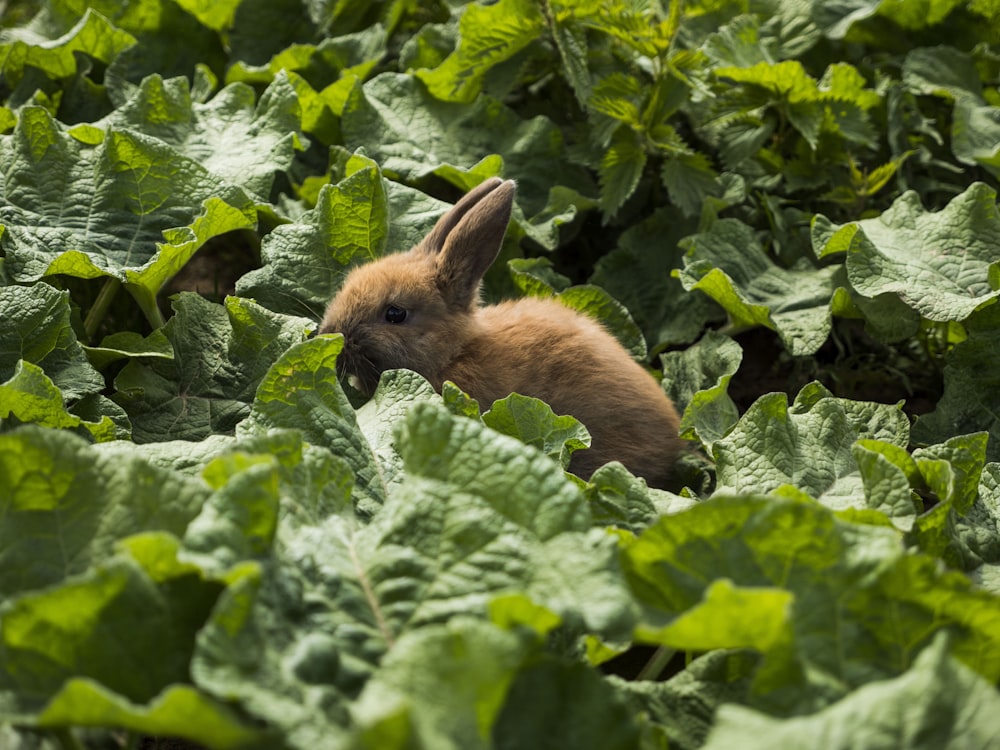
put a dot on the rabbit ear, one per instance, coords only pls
(434, 241)
(470, 240)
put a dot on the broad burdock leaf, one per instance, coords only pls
(30, 397)
(638, 274)
(697, 380)
(618, 498)
(93, 35)
(304, 263)
(837, 20)
(87, 211)
(939, 263)
(449, 681)
(99, 673)
(488, 35)
(35, 327)
(971, 399)
(937, 703)
(809, 447)
(397, 392)
(95, 616)
(729, 264)
(221, 353)
(235, 137)
(464, 525)
(412, 135)
(534, 423)
(300, 391)
(952, 471)
(684, 706)
(837, 580)
(66, 504)
(178, 711)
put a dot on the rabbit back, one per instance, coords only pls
(541, 348)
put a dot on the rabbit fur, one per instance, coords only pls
(420, 310)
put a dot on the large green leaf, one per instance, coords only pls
(412, 135)
(939, 263)
(970, 399)
(35, 327)
(697, 380)
(729, 264)
(462, 526)
(638, 273)
(79, 210)
(832, 634)
(810, 447)
(349, 225)
(488, 35)
(937, 703)
(65, 505)
(86, 628)
(94, 35)
(236, 137)
(221, 353)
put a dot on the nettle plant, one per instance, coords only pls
(786, 210)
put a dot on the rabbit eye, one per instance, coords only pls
(395, 314)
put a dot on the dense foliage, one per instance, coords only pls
(787, 207)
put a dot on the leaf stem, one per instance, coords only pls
(100, 307)
(655, 666)
(147, 302)
(67, 739)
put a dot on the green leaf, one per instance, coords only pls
(621, 168)
(451, 679)
(127, 344)
(488, 35)
(30, 397)
(66, 504)
(843, 578)
(729, 264)
(88, 211)
(534, 423)
(564, 704)
(617, 498)
(349, 225)
(535, 277)
(235, 138)
(938, 263)
(85, 628)
(220, 355)
(638, 274)
(178, 711)
(93, 35)
(411, 134)
(837, 104)
(937, 703)
(300, 391)
(697, 380)
(395, 395)
(215, 15)
(969, 403)
(35, 327)
(809, 447)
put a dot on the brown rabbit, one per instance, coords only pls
(420, 310)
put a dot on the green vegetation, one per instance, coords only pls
(787, 207)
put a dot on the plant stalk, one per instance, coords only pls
(655, 666)
(100, 307)
(67, 739)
